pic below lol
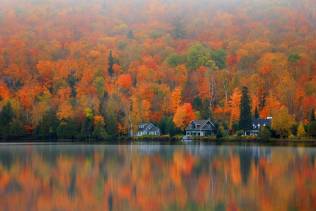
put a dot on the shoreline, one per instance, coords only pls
(309, 142)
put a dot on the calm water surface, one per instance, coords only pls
(156, 177)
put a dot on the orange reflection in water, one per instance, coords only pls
(156, 177)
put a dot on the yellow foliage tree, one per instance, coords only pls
(282, 122)
(301, 130)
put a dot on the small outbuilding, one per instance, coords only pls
(200, 128)
(147, 129)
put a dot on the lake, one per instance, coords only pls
(157, 177)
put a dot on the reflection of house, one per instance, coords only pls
(200, 128)
(257, 124)
(148, 129)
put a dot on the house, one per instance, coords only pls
(200, 128)
(258, 123)
(147, 129)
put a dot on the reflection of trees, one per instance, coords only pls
(245, 162)
(156, 178)
(6, 158)
(72, 183)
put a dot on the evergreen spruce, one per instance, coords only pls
(256, 115)
(245, 120)
(167, 126)
(87, 128)
(6, 117)
(72, 81)
(110, 64)
(87, 124)
(130, 34)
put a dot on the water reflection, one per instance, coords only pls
(156, 177)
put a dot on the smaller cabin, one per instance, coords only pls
(200, 128)
(257, 124)
(147, 129)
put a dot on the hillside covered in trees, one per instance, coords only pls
(103, 66)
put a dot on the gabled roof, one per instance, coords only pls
(266, 122)
(201, 125)
(147, 126)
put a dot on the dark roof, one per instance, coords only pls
(147, 126)
(257, 123)
(201, 125)
(266, 122)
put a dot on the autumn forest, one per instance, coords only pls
(100, 67)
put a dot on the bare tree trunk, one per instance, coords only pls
(130, 122)
(212, 92)
(225, 83)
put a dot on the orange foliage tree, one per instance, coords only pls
(184, 115)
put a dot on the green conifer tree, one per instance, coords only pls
(6, 117)
(245, 120)
(110, 64)
(256, 115)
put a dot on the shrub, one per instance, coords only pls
(240, 133)
(221, 132)
(264, 134)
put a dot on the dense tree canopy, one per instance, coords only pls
(145, 60)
